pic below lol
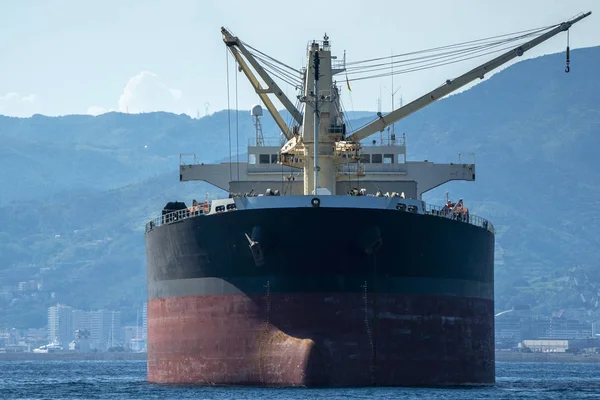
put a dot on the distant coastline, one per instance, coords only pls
(501, 356)
(68, 356)
(513, 356)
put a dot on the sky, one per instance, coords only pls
(88, 57)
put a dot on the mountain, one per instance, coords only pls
(79, 189)
(42, 156)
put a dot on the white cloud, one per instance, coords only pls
(176, 93)
(145, 92)
(17, 105)
(29, 99)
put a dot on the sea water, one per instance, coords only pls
(127, 380)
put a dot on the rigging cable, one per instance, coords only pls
(288, 74)
(473, 53)
(292, 76)
(347, 119)
(442, 55)
(568, 68)
(453, 45)
(271, 58)
(379, 66)
(237, 135)
(351, 103)
(228, 111)
(424, 59)
(277, 72)
(427, 62)
(433, 65)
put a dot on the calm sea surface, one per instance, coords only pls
(127, 380)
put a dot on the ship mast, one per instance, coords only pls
(316, 153)
(323, 124)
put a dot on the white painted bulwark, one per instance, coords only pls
(369, 202)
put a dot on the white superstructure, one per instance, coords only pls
(319, 155)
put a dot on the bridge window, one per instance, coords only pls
(251, 158)
(264, 158)
(388, 158)
(376, 158)
(365, 158)
(273, 158)
(400, 159)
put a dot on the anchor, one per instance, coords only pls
(255, 247)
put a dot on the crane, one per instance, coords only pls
(455, 84)
(323, 137)
(238, 49)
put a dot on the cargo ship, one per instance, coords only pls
(324, 266)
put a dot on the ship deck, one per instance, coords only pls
(342, 201)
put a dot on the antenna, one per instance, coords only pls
(256, 113)
(206, 105)
(393, 93)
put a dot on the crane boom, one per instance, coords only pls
(452, 85)
(236, 47)
(262, 94)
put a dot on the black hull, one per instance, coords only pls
(328, 297)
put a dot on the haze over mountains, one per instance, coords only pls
(77, 190)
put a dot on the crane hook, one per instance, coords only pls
(567, 68)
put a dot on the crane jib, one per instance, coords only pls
(455, 84)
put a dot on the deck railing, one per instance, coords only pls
(171, 217)
(432, 210)
(468, 218)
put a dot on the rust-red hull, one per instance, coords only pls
(240, 340)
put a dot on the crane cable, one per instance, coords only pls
(460, 44)
(568, 68)
(436, 60)
(228, 111)
(438, 56)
